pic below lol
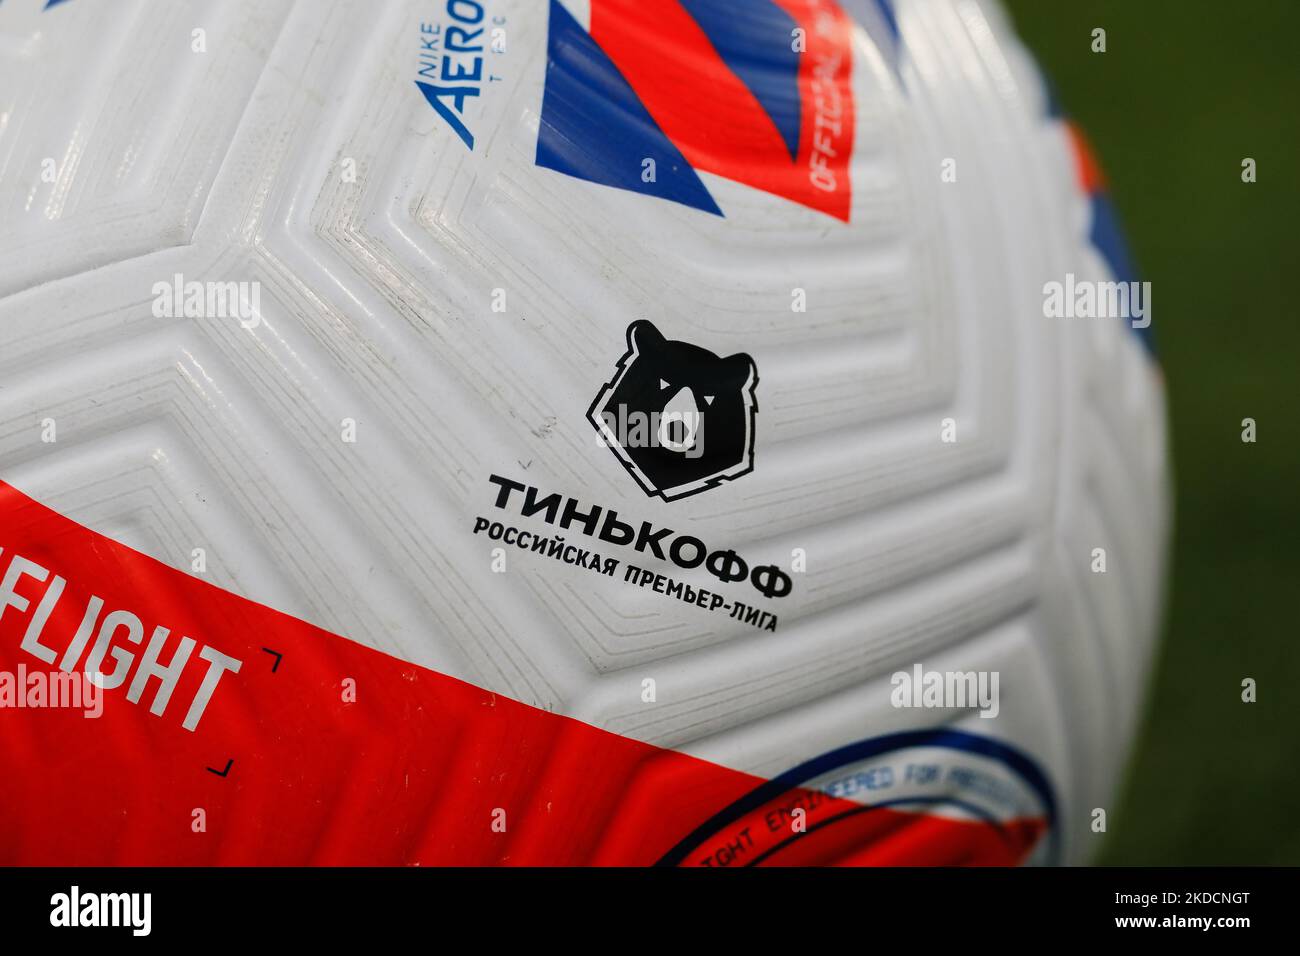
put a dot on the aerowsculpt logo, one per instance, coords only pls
(679, 417)
(453, 63)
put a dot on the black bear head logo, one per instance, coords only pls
(680, 418)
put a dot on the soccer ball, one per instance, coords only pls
(582, 431)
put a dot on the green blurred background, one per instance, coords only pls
(1185, 91)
